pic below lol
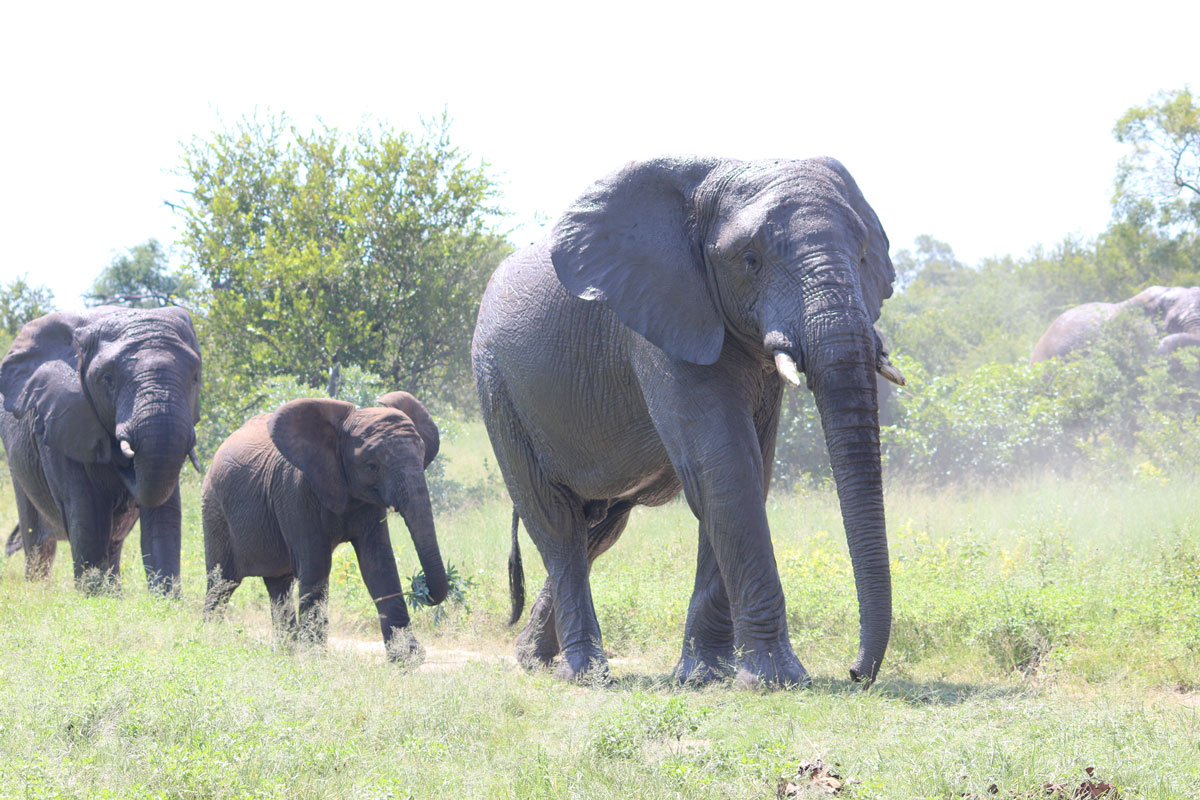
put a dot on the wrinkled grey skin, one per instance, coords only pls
(1173, 312)
(632, 354)
(80, 391)
(286, 488)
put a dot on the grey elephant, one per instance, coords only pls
(98, 418)
(642, 348)
(286, 488)
(1172, 314)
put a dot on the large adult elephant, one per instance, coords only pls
(642, 348)
(98, 418)
(1172, 314)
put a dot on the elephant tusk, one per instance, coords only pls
(787, 367)
(195, 461)
(889, 371)
(126, 449)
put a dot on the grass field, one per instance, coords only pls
(1039, 630)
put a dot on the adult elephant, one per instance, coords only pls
(1172, 314)
(98, 417)
(642, 347)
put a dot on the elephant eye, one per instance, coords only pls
(751, 259)
(373, 467)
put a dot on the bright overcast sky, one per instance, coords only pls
(985, 125)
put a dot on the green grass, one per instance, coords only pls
(1039, 630)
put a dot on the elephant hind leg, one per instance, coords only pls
(222, 573)
(538, 643)
(33, 535)
(283, 607)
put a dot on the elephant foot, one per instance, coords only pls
(772, 666)
(94, 582)
(704, 663)
(590, 667)
(403, 649)
(538, 643)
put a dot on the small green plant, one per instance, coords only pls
(456, 596)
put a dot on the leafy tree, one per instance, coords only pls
(1162, 174)
(319, 249)
(141, 278)
(19, 303)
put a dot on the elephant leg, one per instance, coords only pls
(161, 543)
(219, 564)
(708, 639)
(36, 538)
(719, 460)
(88, 517)
(538, 643)
(313, 574)
(377, 565)
(283, 607)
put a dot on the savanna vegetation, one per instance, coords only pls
(1044, 541)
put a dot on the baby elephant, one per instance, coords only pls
(287, 488)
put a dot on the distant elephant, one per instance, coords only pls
(642, 348)
(98, 418)
(286, 488)
(1174, 313)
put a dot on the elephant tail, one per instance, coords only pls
(15, 542)
(516, 574)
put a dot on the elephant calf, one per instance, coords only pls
(287, 488)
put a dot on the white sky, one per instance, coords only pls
(985, 125)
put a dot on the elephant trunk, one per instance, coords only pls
(155, 441)
(418, 516)
(841, 361)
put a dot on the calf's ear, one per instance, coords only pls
(308, 433)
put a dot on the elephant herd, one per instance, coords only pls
(640, 350)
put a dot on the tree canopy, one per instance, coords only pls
(141, 278)
(21, 301)
(319, 249)
(1162, 174)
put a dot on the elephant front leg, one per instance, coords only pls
(708, 639)
(88, 518)
(719, 461)
(378, 567)
(313, 573)
(161, 544)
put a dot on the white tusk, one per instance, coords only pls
(787, 367)
(889, 371)
(195, 460)
(126, 449)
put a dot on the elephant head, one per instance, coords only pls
(1175, 311)
(784, 261)
(111, 386)
(373, 456)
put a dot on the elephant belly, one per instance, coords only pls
(556, 373)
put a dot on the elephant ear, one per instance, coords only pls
(876, 272)
(628, 243)
(40, 376)
(308, 433)
(412, 408)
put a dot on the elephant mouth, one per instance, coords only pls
(128, 475)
